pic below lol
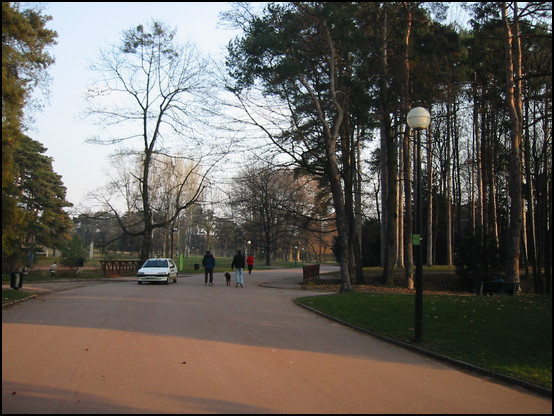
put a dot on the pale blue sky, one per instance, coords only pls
(84, 28)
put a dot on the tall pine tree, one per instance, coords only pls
(29, 212)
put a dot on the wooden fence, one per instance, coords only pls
(114, 268)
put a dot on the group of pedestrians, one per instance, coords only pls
(54, 267)
(239, 263)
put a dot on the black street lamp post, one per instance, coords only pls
(418, 119)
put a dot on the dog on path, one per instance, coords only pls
(228, 278)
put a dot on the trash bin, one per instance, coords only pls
(196, 266)
(16, 281)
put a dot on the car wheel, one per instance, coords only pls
(167, 281)
(140, 283)
(175, 279)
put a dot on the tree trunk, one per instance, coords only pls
(146, 246)
(513, 98)
(390, 200)
(531, 236)
(408, 213)
(349, 179)
(448, 193)
(342, 228)
(408, 217)
(480, 209)
(401, 209)
(358, 201)
(389, 165)
(429, 211)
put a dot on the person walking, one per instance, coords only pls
(250, 262)
(80, 265)
(238, 265)
(53, 269)
(209, 263)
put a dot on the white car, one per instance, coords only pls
(158, 270)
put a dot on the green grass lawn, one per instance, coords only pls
(10, 295)
(511, 335)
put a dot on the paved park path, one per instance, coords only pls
(119, 347)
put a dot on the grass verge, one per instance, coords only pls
(11, 295)
(510, 335)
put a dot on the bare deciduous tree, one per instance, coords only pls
(152, 94)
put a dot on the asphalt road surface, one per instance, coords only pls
(120, 347)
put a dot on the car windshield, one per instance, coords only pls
(155, 263)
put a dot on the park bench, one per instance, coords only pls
(310, 272)
(488, 288)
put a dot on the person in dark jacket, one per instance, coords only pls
(80, 265)
(209, 263)
(238, 265)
